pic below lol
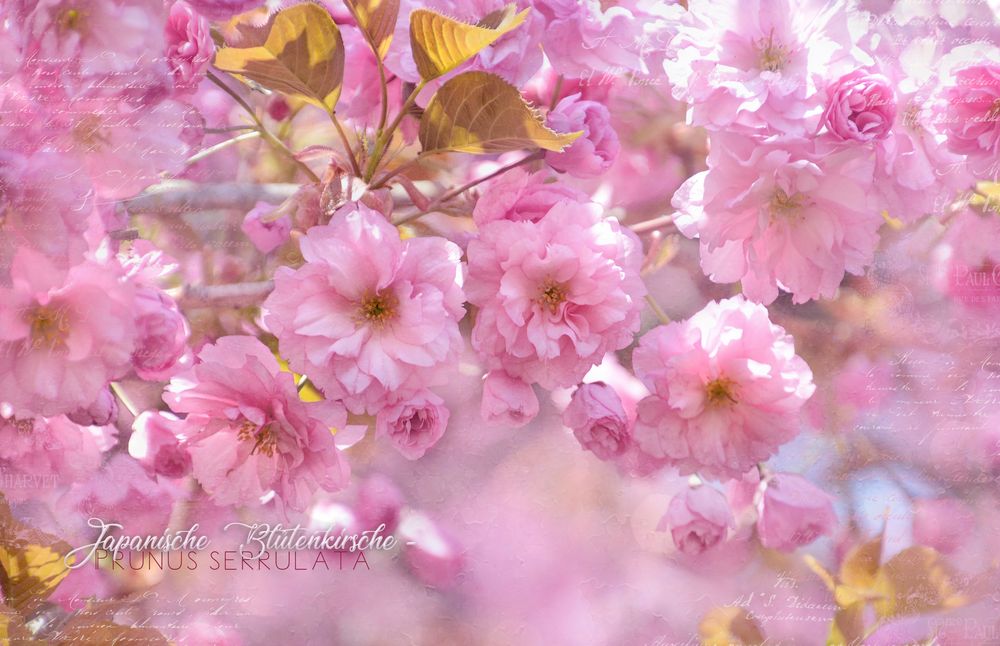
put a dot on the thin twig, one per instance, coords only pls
(180, 196)
(660, 314)
(222, 145)
(232, 295)
(652, 225)
(275, 143)
(348, 149)
(386, 136)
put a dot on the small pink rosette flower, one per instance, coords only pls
(413, 425)
(860, 107)
(699, 518)
(598, 419)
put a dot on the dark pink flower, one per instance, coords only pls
(698, 519)
(414, 424)
(595, 150)
(598, 419)
(189, 45)
(860, 107)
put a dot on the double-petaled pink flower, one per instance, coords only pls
(727, 389)
(369, 317)
(248, 432)
(554, 295)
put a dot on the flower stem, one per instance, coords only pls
(348, 150)
(383, 140)
(660, 314)
(274, 142)
(652, 225)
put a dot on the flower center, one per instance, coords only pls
(49, 326)
(87, 132)
(70, 19)
(552, 295)
(720, 391)
(264, 438)
(379, 309)
(772, 56)
(784, 205)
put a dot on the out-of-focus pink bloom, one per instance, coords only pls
(369, 317)
(781, 215)
(971, 114)
(121, 492)
(793, 513)
(584, 40)
(39, 454)
(189, 45)
(942, 523)
(222, 9)
(359, 102)
(595, 150)
(518, 195)
(266, 227)
(507, 401)
(967, 261)
(64, 334)
(760, 75)
(414, 424)
(85, 42)
(727, 389)
(125, 149)
(698, 519)
(433, 555)
(100, 412)
(156, 443)
(249, 433)
(598, 420)
(556, 295)
(860, 107)
(208, 630)
(50, 216)
(379, 502)
(161, 335)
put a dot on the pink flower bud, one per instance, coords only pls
(432, 554)
(161, 335)
(155, 444)
(595, 150)
(598, 419)
(378, 503)
(860, 107)
(507, 401)
(698, 519)
(413, 425)
(102, 411)
(794, 512)
(266, 230)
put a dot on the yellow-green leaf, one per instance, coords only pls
(729, 625)
(440, 44)
(377, 19)
(916, 581)
(302, 56)
(848, 626)
(478, 112)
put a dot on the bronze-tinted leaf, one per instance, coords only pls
(729, 625)
(440, 44)
(377, 18)
(848, 626)
(916, 581)
(302, 56)
(478, 112)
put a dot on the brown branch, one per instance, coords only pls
(185, 197)
(232, 295)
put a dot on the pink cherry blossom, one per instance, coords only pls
(379, 502)
(972, 115)
(161, 335)
(584, 40)
(413, 425)
(762, 74)
(781, 215)
(518, 195)
(156, 442)
(598, 419)
(507, 401)
(860, 107)
(698, 519)
(368, 316)
(727, 389)
(64, 333)
(249, 433)
(189, 45)
(793, 513)
(38, 455)
(595, 150)
(555, 295)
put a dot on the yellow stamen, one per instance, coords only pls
(379, 309)
(720, 391)
(552, 295)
